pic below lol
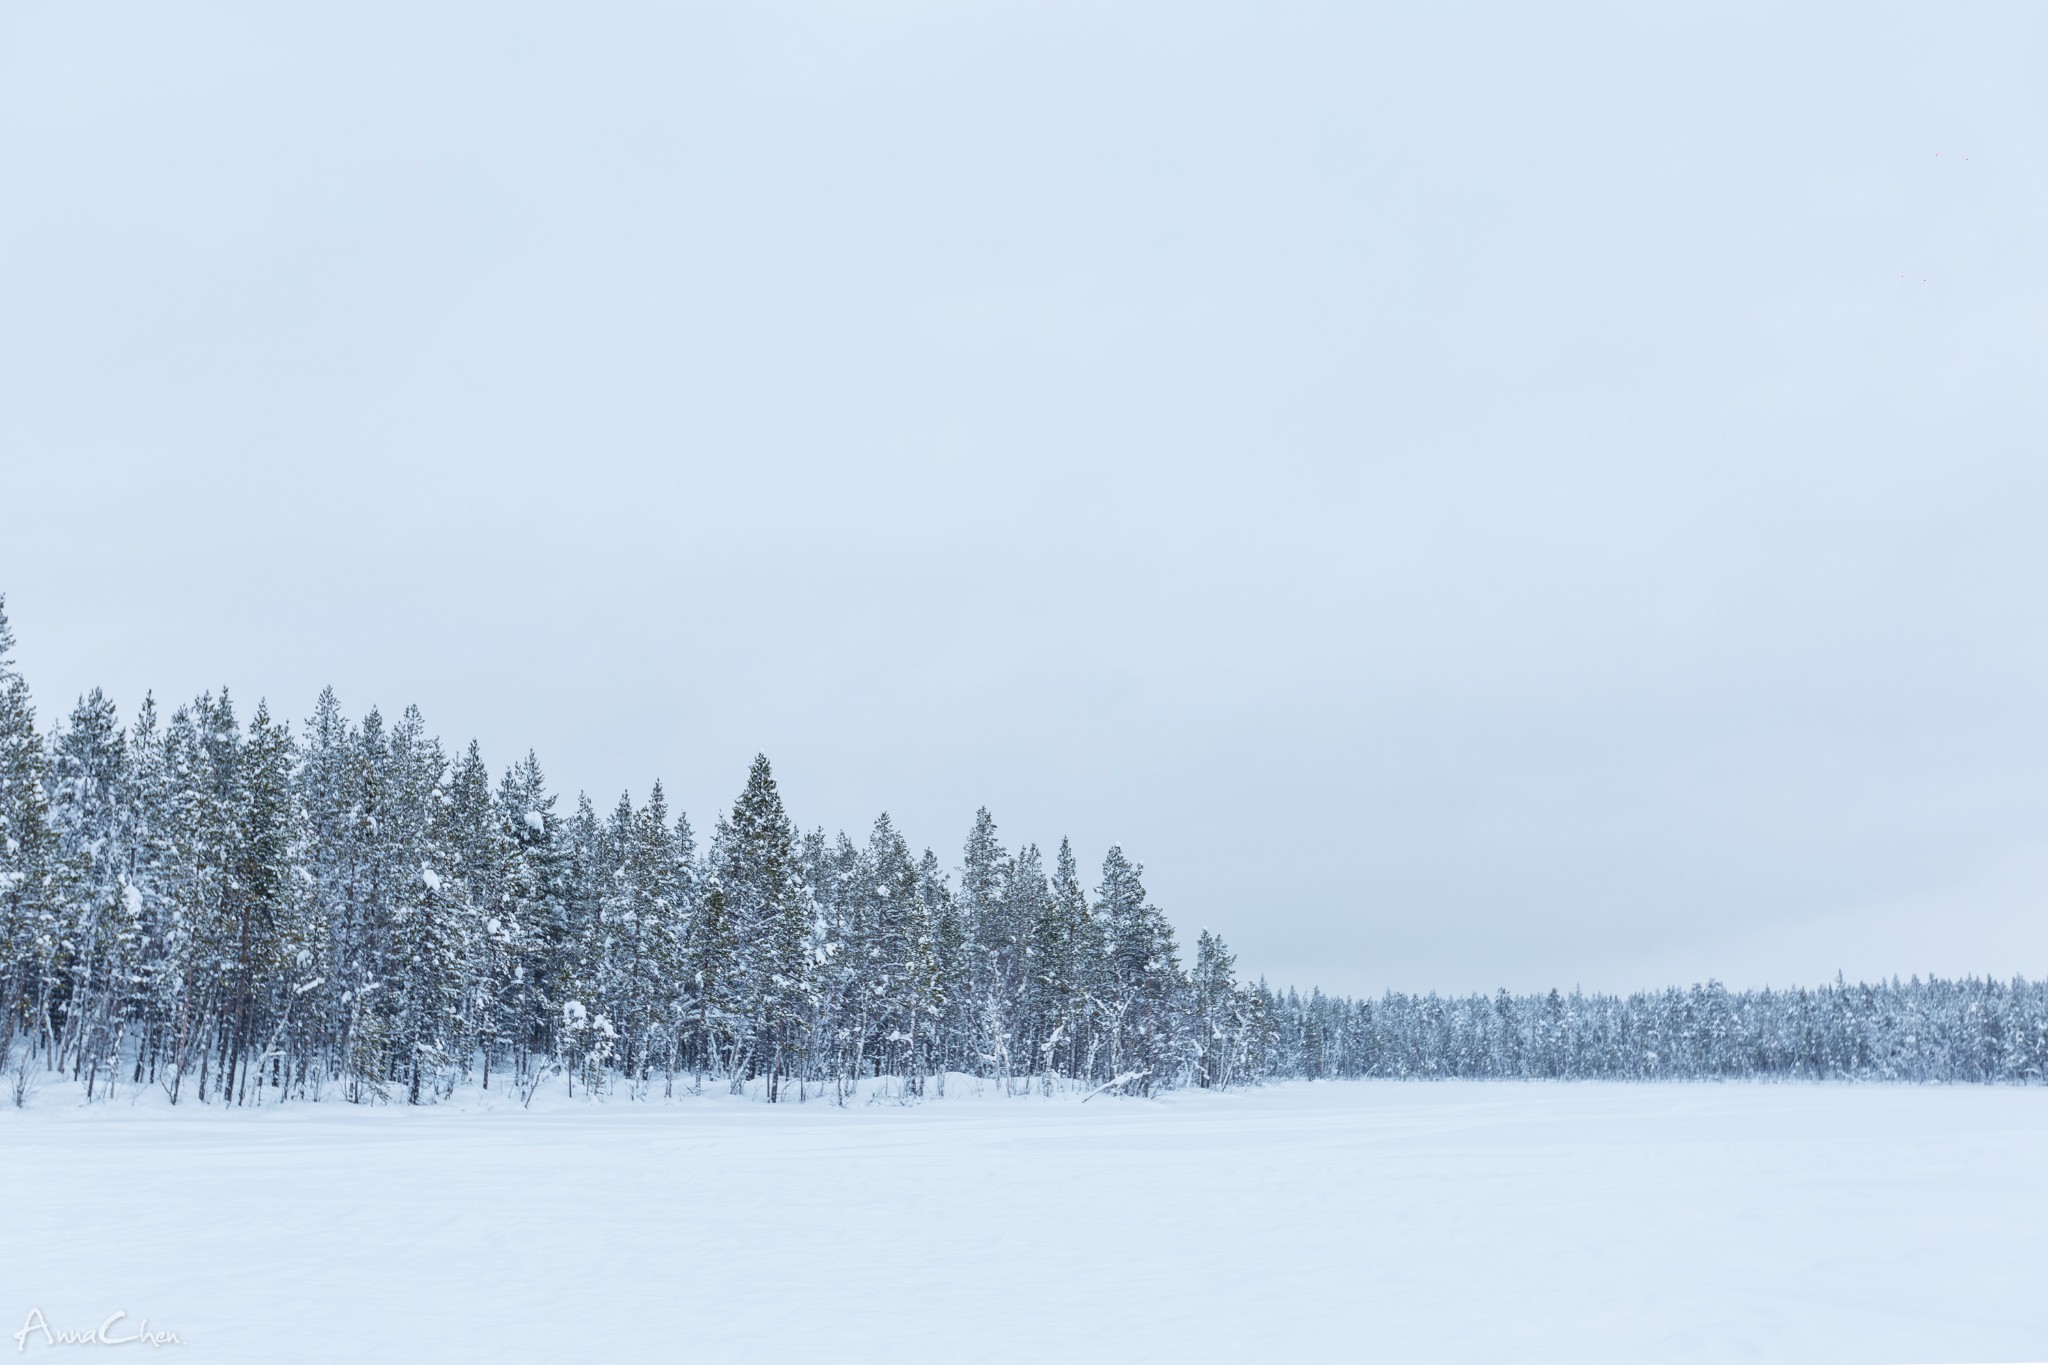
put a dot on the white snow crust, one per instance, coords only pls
(1325, 1222)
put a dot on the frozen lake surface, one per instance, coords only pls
(1347, 1221)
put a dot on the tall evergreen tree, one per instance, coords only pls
(476, 848)
(29, 906)
(996, 958)
(151, 875)
(950, 967)
(1027, 900)
(530, 915)
(261, 901)
(1216, 1012)
(714, 977)
(1143, 976)
(88, 811)
(756, 856)
(1066, 951)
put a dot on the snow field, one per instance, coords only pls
(1345, 1221)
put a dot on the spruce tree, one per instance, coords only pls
(429, 924)
(949, 1031)
(1143, 975)
(209, 832)
(758, 871)
(1214, 1005)
(530, 915)
(1066, 950)
(995, 945)
(150, 874)
(28, 905)
(838, 877)
(262, 900)
(329, 796)
(576, 950)
(647, 923)
(1026, 901)
(714, 975)
(901, 978)
(88, 806)
(477, 850)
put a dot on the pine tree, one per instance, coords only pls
(612, 993)
(1143, 976)
(672, 880)
(88, 804)
(371, 866)
(429, 926)
(207, 830)
(530, 915)
(930, 937)
(329, 800)
(903, 952)
(756, 857)
(950, 970)
(28, 905)
(837, 875)
(1215, 1006)
(261, 900)
(1026, 901)
(150, 874)
(575, 949)
(714, 975)
(1066, 950)
(995, 945)
(647, 913)
(477, 848)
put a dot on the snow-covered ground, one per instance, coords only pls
(1383, 1221)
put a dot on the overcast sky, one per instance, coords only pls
(1467, 498)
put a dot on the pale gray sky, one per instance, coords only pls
(1466, 496)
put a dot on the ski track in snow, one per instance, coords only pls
(1339, 1221)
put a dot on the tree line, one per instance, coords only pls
(238, 913)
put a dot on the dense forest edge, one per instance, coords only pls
(238, 914)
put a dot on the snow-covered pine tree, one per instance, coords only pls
(1026, 901)
(150, 871)
(612, 994)
(950, 969)
(1214, 1007)
(476, 847)
(430, 926)
(329, 798)
(836, 874)
(1143, 977)
(677, 907)
(714, 977)
(263, 904)
(995, 946)
(373, 873)
(88, 805)
(529, 916)
(903, 958)
(648, 922)
(577, 965)
(28, 902)
(926, 989)
(756, 858)
(179, 901)
(1066, 957)
(208, 832)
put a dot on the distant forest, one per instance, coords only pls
(241, 913)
